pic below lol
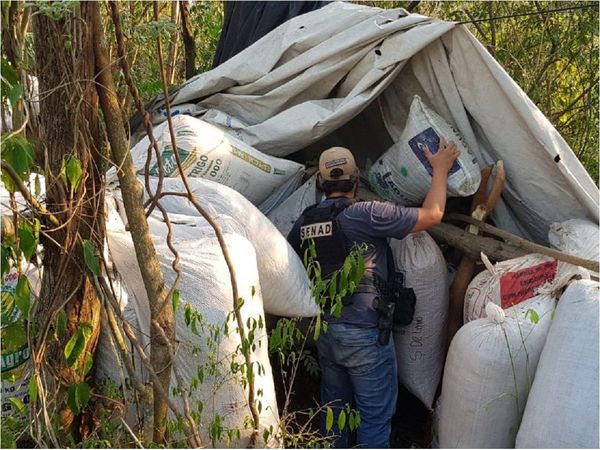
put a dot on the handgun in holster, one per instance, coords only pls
(386, 318)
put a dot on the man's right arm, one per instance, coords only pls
(432, 211)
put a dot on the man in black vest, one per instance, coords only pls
(358, 367)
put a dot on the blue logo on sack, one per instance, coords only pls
(428, 138)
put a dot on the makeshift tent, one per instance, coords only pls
(346, 74)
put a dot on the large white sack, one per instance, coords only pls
(403, 173)
(204, 363)
(562, 408)
(208, 152)
(286, 214)
(516, 281)
(285, 285)
(489, 370)
(420, 346)
(577, 237)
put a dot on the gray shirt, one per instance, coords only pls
(371, 223)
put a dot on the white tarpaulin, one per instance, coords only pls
(313, 74)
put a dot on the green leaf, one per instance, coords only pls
(90, 258)
(4, 262)
(9, 74)
(175, 300)
(347, 267)
(89, 362)
(72, 400)
(74, 347)
(23, 295)
(187, 314)
(19, 153)
(73, 171)
(342, 420)
(333, 285)
(27, 240)
(83, 394)
(32, 388)
(533, 316)
(329, 419)
(317, 328)
(37, 188)
(18, 405)
(14, 94)
(7, 437)
(61, 323)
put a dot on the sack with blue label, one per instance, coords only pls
(403, 173)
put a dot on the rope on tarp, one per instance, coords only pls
(548, 11)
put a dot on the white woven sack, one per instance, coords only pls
(577, 237)
(206, 286)
(562, 408)
(403, 173)
(489, 370)
(515, 281)
(285, 285)
(208, 152)
(286, 214)
(420, 345)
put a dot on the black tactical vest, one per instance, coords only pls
(331, 244)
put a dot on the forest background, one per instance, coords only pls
(549, 48)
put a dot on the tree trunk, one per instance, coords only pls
(69, 125)
(188, 40)
(161, 310)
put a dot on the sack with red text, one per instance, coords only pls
(516, 282)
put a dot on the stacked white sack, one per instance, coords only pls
(516, 281)
(403, 173)
(420, 346)
(489, 370)
(577, 237)
(285, 285)
(206, 286)
(286, 214)
(562, 408)
(208, 152)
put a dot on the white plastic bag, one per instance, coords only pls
(489, 370)
(285, 285)
(208, 152)
(204, 358)
(420, 346)
(562, 408)
(577, 237)
(403, 173)
(514, 281)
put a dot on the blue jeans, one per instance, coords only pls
(356, 369)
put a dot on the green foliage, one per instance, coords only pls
(23, 296)
(19, 153)
(90, 258)
(76, 345)
(207, 24)
(287, 341)
(29, 237)
(533, 315)
(71, 171)
(56, 10)
(10, 87)
(78, 396)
